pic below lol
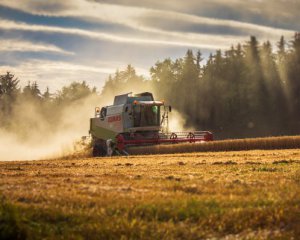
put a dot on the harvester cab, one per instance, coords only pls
(135, 120)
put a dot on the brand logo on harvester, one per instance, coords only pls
(114, 118)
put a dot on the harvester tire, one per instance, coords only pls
(99, 151)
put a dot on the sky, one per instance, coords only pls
(56, 42)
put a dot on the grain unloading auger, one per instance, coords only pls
(136, 120)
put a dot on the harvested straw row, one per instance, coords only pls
(286, 142)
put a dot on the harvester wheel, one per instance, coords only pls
(99, 151)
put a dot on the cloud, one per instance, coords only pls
(276, 13)
(144, 21)
(58, 73)
(245, 28)
(15, 45)
(133, 17)
(164, 38)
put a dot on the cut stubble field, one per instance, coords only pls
(231, 195)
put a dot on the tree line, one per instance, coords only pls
(251, 89)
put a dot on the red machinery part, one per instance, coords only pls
(178, 137)
(120, 142)
(209, 136)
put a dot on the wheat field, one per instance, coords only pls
(204, 195)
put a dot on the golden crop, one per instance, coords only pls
(286, 142)
(241, 194)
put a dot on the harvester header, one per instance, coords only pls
(136, 120)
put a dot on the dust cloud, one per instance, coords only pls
(177, 122)
(32, 136)
(16, 149)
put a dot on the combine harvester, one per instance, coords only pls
(136, 120)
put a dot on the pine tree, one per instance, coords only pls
(9, 91)
(198, 61)
(35, 91)
(9, 84)
(293, 80)
(47, 95)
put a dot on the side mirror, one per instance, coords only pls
(170, 109)
(103, 113)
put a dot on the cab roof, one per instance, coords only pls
(130, 98)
